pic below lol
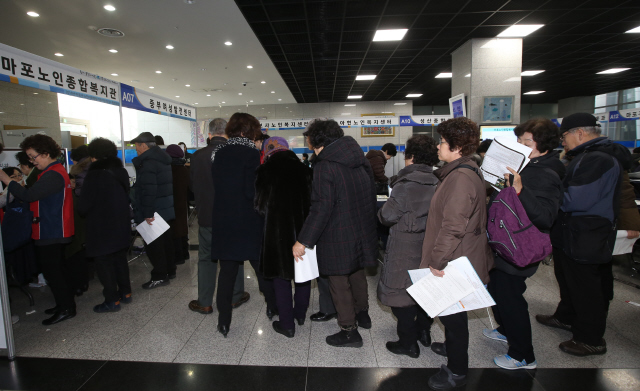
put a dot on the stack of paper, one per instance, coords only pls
(152, 232)
(441, 296)
(623, 245)
(503, 153)
(307, 269)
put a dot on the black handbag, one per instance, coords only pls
(16, 225)
(588, 239)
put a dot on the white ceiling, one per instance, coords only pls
(197, 31)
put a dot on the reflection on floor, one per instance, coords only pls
(159, 327)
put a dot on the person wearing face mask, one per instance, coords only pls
(539, 188)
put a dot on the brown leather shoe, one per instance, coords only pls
(582, 349)
(196, 307)
(551, 321)
(245, 297)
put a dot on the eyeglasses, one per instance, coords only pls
(33, 158)
(443, 141)
(564, 135)
(16, 176)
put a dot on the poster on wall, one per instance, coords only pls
(378, 131)
(497, 109)
(133, 98)
(457, 107)
(26, 69)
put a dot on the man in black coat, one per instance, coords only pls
(153, 192)
(105, 204)
(342, 223)
(202, 186)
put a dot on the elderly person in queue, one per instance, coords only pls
(456, 227)
(539, 188)
(236, 226)
(342, 224)
(180, 174)
(406, 213)
(29, 170)
(283, 198)
(52, 206)
(105, 205)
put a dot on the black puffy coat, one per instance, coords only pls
(283, 198)
(153, 190)
(105, 205)
(406, 213)
(236, 226)
(342, 218)
(541, 197)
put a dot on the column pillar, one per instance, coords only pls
(487, 67)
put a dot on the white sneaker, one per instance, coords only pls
(494, 334)
(507, 362)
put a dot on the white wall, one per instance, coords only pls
(172, 130)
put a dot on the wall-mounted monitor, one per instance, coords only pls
(491, 131)
(457, 106)
(498, 109)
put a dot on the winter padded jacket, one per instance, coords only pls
(378, 161)
(153, 190)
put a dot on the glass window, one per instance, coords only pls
(607, 99)
(631, 95)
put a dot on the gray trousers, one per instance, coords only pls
(208, 271)
(326, 301)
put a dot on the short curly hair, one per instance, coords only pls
(102, 148)
(23, 159)
(42, 144)
(321, 133)
(545, 133)
(460, 133)
(422, 149)
(243, 125)
(79, 153)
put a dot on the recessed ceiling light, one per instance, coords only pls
(399, 104)
(59, 54)
(354, 97)
(533, 92)
(177, 96)
(389, 35)
(35, 93)
(35, 14)
(351, 104)
(520, 30)
(208, 94)
(530, 73)
(414, 95)
(239, 93)
(158, 71)
(250, 101)
(224, 102)
(187, 85)
(635, 30)
(279, 99)
(262, 82)
(114, 74)
(109, 7)
(365, 77)
(613, 70)
(196, 103)
(249, 66)
(152, 87)
(467, 75)
(113, 50)
(273, 92)
(444, 75)
(345, 114)
(169, 47)
(228, 43)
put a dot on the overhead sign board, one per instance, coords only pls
(361, 122)
(422, 120)
(144, 101)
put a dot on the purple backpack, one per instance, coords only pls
(511, 233)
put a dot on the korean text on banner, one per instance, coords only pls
(343, 122)
(143, 101)
(20, 67)
(422, 120)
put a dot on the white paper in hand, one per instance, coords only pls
(152, 232)
(307, 269)
(503, 153)
(623, 245)
(436, 294)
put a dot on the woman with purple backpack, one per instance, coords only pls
(539, 189)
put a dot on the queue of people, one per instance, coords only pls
(257, 202)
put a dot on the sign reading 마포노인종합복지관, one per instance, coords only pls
(26, 69)
(343, 122)
(143, 101)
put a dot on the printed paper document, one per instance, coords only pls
(307, 269)
(436, 294)
(623, 245)
(503, 153)
(152, 232)
(479, 298)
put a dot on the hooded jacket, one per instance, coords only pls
(153, 190)
(342, 218)
(283, 198)
(541, 196)
(105, 205)
(457, 221)
(406, 213)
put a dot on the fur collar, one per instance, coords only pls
(233, 141)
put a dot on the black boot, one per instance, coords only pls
(363, 319)
(347, 337)
(397, 348)
(446, 380)
(439, 348)
(425, 338)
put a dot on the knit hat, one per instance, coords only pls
(175, 151)
(578, 120)
(275, 144)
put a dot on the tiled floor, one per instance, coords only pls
(159, 327)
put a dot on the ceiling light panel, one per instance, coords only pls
(444, 75)
(389, 35)
(414, 95)
(354, 97)
(520, 30)
(533, 92)
(365, 77)
(530, 73)
(613, 70)
(33, 14)
(109, 7)
(632, 31)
